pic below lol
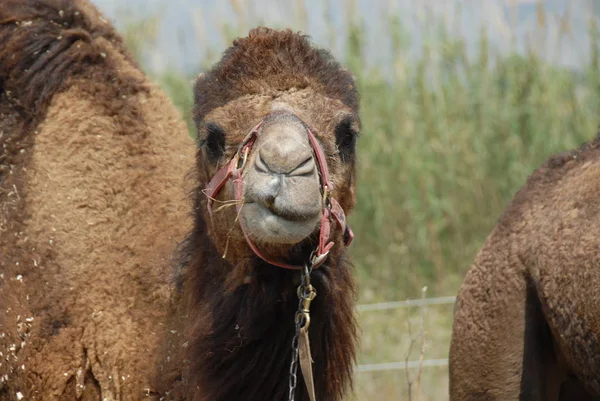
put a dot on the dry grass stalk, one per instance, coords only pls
(415, 382)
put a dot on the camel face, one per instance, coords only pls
(296, 94)
(282, 197)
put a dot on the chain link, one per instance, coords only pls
(305, 291)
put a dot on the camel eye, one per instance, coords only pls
(214, 144)
(345, 138)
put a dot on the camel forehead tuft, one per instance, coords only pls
(269, 62)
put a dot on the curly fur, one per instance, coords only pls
(526, 323)
(92, 159)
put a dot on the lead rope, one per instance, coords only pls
(300, 343)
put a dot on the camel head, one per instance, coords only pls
(284, 116)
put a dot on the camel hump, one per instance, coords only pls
(45, 42)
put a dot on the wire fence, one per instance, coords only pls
(405, 304)
(382, 367)
(388, 366)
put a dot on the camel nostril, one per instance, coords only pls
(290, 165)
(261, 165)
(306, 168)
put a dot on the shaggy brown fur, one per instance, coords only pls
(92, 157)
(239, 320)
(289, 62)
(527, 318)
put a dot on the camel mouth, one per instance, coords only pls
(268, 226)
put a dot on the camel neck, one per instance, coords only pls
(241, 346)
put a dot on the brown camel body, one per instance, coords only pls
(527, 317)
(237, 312)
(92, 161)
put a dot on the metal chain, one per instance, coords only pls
(301, 318)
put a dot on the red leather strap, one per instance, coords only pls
(218, 180)
(233, 170)
(321, 161)
(225, 173)
(340, 217)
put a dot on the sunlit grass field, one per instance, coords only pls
(447, 140)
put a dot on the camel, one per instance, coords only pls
(92, 204)
(527, 316)
(277, 121)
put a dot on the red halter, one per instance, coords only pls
(331, 208)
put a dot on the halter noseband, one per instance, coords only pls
(233, 170)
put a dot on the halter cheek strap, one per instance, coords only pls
(233, 170)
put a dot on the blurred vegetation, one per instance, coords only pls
(445, 147)
(447, 140)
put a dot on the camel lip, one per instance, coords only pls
(291, 217)
(283, 214)
(269, 227)
(269, 213)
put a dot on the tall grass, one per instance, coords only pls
(444, 148)
(447, 140)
